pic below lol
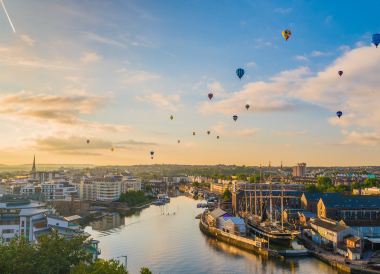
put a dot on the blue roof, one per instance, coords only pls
(352, 202)
(235, 220)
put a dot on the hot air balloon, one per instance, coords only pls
(235, 117)
(210, 95)
(376, 39)
(193, 132)
(151, 154)
(179, 141)
(247, 106)
(340, 72)
(240, 72)
(171, 117)
(112, 149)
(88, 141)
(208, 132)
(339, 114)
(286, 34)
(217, 137)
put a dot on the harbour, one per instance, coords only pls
(174, 244)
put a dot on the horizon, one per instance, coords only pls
(114, 72)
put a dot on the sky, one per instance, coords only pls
(113, 72)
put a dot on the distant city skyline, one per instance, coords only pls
(113, 72)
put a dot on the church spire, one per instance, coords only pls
(34, 164)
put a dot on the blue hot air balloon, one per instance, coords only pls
(339, 114)
(240, 72)
(376, 39)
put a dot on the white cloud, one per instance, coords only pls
(27, 40)
(355, 93)
(290, 133)
(364, 138)
(283, 10)
(169, 102)
(248, 132)
(251, 64)
(136, 77)
(301, 58)
(103, 39)
(90, 57)
(317, 53)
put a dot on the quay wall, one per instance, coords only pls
(242, 242)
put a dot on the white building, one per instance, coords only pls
(107, 189)
(130, 183)
(57, 190)
(21, 217)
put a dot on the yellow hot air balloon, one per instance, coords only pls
(286, 34)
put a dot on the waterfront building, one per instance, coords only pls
(58, 190)
(107, 189)
(21, 217)
(309, 200)
(219, 188)
(367, 191)
(354, 210)
(130, 183)
(233, 225)
(331, 233)
(157, 186)
(213, 217)
(299, 170)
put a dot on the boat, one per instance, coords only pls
(264, 226)
(163, 197)
(158, 202)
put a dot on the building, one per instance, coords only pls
(58, 190)
(309, 200)
(213, 217)
(299, 170)
(130, 183)
(221, 187)
(233, 225)
(21, 217)
(107, 189)
(331, 233)
(354, 210)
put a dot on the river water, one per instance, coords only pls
(167, 239)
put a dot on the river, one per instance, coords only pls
(167, 239)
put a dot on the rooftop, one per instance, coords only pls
(348, 202)
(330, 225)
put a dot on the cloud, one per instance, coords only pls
(217, 89)
(301, 58)
(283, 10)
(291, 132)
(90, 57)
(136, 77)
(261, 43)
(56, 109)
(248, 132)
(27, 40)
(355, 93)
(78, 145)
(251, 64)
(103, 39)
(317, 53)
(169, 102)
(363, 138)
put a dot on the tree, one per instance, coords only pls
(18, 257)
(227, 195)
(312, 188)
(100, 267)
(145, 270)
(56, 255)
(324, 183)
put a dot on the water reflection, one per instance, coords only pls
(172, 243)
(107, 222)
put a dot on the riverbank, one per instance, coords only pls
(238, 241)
(337, 261)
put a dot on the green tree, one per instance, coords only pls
(312, 188)
(18, 257)
(56, 255)
(145, 270)
(324, 183)
(370, 182)
(227, 195)
(100, 267)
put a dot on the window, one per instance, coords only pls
(7, 231)
(22, 223)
